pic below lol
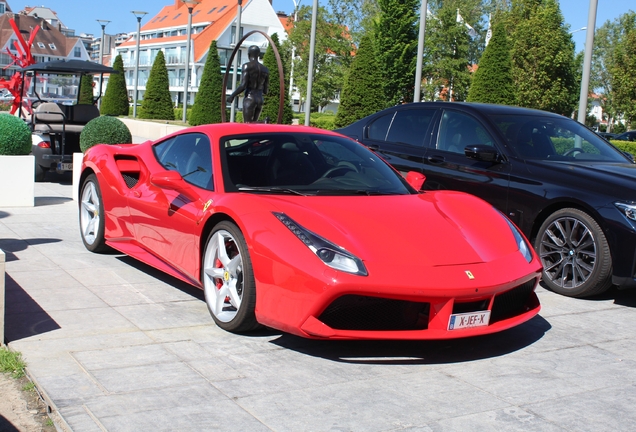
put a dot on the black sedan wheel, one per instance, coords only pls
(228, 281)
(574, 253)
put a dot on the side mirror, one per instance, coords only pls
(172, 180)
(483, 153)
(415, 179)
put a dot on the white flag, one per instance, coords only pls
(471, 31)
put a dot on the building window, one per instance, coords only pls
(222, 9)
(41, 45)
(212, 10)
(233, 34)
(77, 52)
(52, 46)
(2, 8)
(176, 16)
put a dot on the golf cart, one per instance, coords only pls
(57, 120)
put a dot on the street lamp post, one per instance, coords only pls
(139, 15)
(310, 71)
(191, 4)
(587, 60)
(103, 23)
(237, 37)
(293, 52)
(420, 52)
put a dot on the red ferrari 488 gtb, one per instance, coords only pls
(308, 232)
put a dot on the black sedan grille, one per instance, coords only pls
(355, 312)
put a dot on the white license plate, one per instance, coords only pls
(467, 320)
(65, 166)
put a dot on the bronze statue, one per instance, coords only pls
(255, 83)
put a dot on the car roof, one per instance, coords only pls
(484, 108)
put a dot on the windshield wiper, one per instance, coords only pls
(355, 192)
(270, 189)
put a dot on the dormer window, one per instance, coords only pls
(52, 46)
(41, 45)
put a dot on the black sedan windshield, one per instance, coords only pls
(307, 164)
(550, 138)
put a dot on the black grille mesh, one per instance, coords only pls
(131, 179)
(512, 303)
(354, 312)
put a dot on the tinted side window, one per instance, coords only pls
(459, 130)
(380, 126)
(190, 155)
(410, 126)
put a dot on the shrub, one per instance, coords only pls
(104, 130)
(15, 136)
(628, 146)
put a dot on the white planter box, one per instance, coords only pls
(78, 158)
(17, 180)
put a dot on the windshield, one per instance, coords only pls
(307, 164)
(555, 139)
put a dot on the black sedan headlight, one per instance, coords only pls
(628, 209)
(331, 254)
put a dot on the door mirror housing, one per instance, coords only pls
(172, 180)
(483, 153)
(415, 179)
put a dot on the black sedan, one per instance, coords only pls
(572, 193)
(626, 136)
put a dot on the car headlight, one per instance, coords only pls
(628, 209)
(331, 254)
(524, 248)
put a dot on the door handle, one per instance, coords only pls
(435, 159)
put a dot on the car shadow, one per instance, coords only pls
(626, 297)
(163, 277)
(23, 316)
(4, 214)
(423, 351)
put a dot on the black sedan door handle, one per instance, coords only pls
(435, 159)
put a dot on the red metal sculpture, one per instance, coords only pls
(23, 59)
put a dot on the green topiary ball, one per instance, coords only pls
(15, 136)
(104, 130)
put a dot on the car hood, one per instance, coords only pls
(610, 179)
(430, 229)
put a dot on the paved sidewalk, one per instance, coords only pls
(115, 345)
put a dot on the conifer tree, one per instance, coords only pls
(157, 103)
(272, 98)
(492, 81)
(542, 53)
(115, 98)
(207, 103)
(362, 93)
(396, 38)
(86, 90)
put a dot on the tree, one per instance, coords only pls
(542, 57)
(396, 32)
(356, 16)
(272, 98)
(623, 70)
(207, 103)
(86, 90)
(492, 81)
(115, 101)
(332, 55)
(363, 93)
(446, 60)
(157, 103)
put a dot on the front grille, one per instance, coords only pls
(131, 179)
(512, 303)
(474, 306)
(354, 312)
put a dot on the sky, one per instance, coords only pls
(81, 15)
